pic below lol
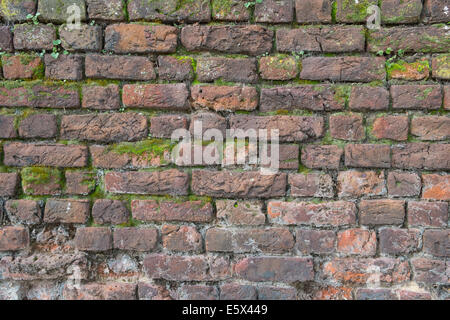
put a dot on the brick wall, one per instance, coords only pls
(93, 207)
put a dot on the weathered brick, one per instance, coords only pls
(355, 69)
(317, 185)
(288, 156)
(104, 127)
(251, 184)
(416, 96)
(105, 211)
(136, 239)
(170, 10)
(53, 155)
(276, 293)
(26, 212)
(93, 239)
(101, 97)
(6, 39)
(357, 241)
(310, 241)
(274, 11)
(85, 38)
(190, 211)
(323, 39)
(245, 39)
(65, 67)
(174, 182)
(9, 182)
(164, 125)
(403, 184)
(413, 295)
(17, 11)
(156, 96)
(136, 38)
(233, 10)
(431, 127)
(277, 269)
(441, 67)
(209, 120)
(360, 184)
(446, 97)
(421, 156)
(224, 98)
(235, 291)
(368, 155)
(197, 292)
(119, 67)
(375, 294)
(149, 291)
(347, 127)
(333, 293)
(271, 240)
(417, 70)
(313, 11)
(181, 238)
(321, 156)
(278, 68)
(23, 66)
(391, 127)
(80, 182)
(56, 10)
(240, 212)
(427, 214)
(430, 271)
(369, 98)
(227, 69)
(34, 37)
(175, 68)
(399, 241)
(379, 212)
(66, 211)
(436, 242)
(41, 181)
(434, 11)
(400, 12)
(337, 213)
(41, 125)
(101, 291)
(353, 11)
(14, 238)
(7, 128)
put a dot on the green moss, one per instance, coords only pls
(153, 148)
(223, 8)
(188, 59)
(40, 175)
(356, 11)
(342, 93)
(333, 11)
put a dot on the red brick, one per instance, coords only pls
(400, 12)
(314, 11)
(245, 39)
(136, 239)
(65, 67)
(149, 291)
(416, 96)
(351, 12)
(274, 11)
(321, 156)
(181, 238)
(369, 98)
(431, 127)
(288, 157)
(93, 239)
(105, 211)
(197, 292)
(26, 212)
(421, 156)
(427, 214)
(403, 184)
(85, 38)
(156, 96)
(119, 67)
(100, 291)
(278, 68)
(368, 155)
(190, 211)
(105, 10)
(14, 238)
(136, 38)
(375, 294)
(434, 11)
(399, 241)
(101, 97)
(347, 127)
(413, 295)
(310, 241)
(9, 182)
(436, 242)
(337, 213)
(7, 128)
(379, 212)
(235, 291)
(446, 97)
(23, 66)
(175, 68)
(42, 39)
(6, 39)
(227, 69)
(66, 211)
(333, 293)
(170, 11)
(277, 269)
(224, 98)
(391, 127)
(41, 181)
(412, 71)
(41, 125)
(357, 241)
(430, 271)
(240, 212)
(276, 293)
(234, 10)
(355, 69)
(80, 182)
(360, 184)
(209, 120)
(317, 185)
(164, 125)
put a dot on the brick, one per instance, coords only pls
(209, 120)
(427, 214)
(66, 211)
(106, 211)
(379, 212)
(56, 11)
(170, 11)
(337, 213)
(85, 38)
(276, 293)
(40, 125)
(421, 156)
(434, 11)
(156, 96)
(430, 271)
(277, 269)
(135, 38)
(288, 157)
(9, 182)
(321, 39)
(355, 69)
(80, 182)
(114, 127)
(14, 238)
(136, 239)
(316, 185)
(234, 10)
(53, 155)
(101, 291)
(400, 12)
(197, 292)
(7, 128)
(315, 11)
(436, 242)
(416, 70)
(399, 241)
(16, 11)
(347, 127)
(190, 211)
(93, 239)
(321, 156)
(42, 39)
(412, 295)
(181, 238)
(224, 98)
(375, 294)
(101, 97)
(270, 240)
(27, 212)
(227, 69)
(251, 184)
(368, 155)
(333, 293)
(248, 212)
(360, 184)
(119, 67)
(403, 184)
(391, 127)
(6, 39)
(23, 66)
(446, 97)
(351, 12)
(65, 67)
(369, 98)
(164, 125)
(41, 181)
(357, 241)
(410, 39)
(245, 39)
(175, 68)
(235, 291)
(148, 291)
(309, 241)
(105, 10)
(278, 68)
(274, 11)
(441, 67)
(308, 97)
(291, 128)
(366, 270)
(416, 96)
(431, 127)
(173, 182)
